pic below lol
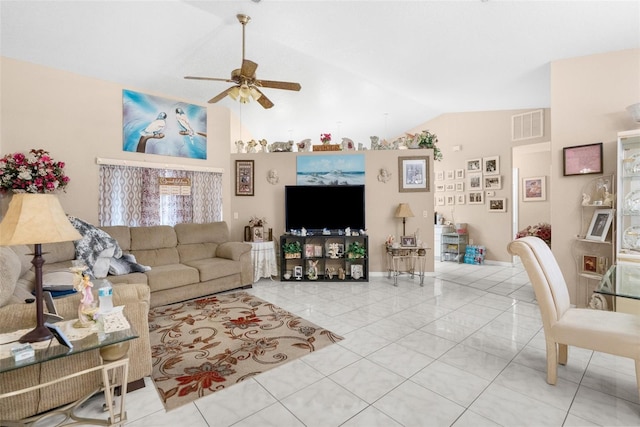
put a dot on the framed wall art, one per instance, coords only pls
(476, 198)
(440, 200)
(582, 159)
(474, 165)
(408, 241)
(491, 165)
(474, 181)
(497, 205)
(459, 186)
(439, 187)
(451, 200)
(493, 182)
(600, 224)
(244, 178)
(414, 173)
(450, 174)
(439, 175)
(534, 189)
(589, 263)
(460, 199)
(459, 173)
(450, 187)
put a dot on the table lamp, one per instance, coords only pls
(404, 211)
(34, 219)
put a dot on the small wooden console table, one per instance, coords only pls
(407, 257)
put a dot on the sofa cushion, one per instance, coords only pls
(122, 235)
(171, 276)
(215, 268)
(25, 253)
(153, 237)
(215, 232)
(195, 251)
(9, 273)
(157, 257)
(58, 252)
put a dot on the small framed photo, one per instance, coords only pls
(450, 174)
(493, 182)
(297, 272)
(450, 187)
(600, 224)
(459, 186)
(451, 200)
(460, 199)
(408, 241)
(474, 165)
(474, 181)
(257, 234)
(317, 252)
(582, 159)
(497, 205)
(356, 271)
(244, 178)
(439, 175)
(440, 200)
(534, 189)
(589, 263)
(459, 173)
(309, 250)
(491, 165)
(476, 198)
(439, 187)
(414, 173)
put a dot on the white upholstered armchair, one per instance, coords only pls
(603, 331)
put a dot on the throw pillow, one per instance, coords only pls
(9, 273)
(101, 266)
(126, 264)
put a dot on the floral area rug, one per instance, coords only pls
(206, 345)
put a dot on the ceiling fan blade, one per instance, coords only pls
(209, 78)
(263, 100)
(248, 69)
(221, 95)
(279, 85)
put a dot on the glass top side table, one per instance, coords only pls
(622, 284)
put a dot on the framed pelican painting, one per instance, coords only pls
(155, 125)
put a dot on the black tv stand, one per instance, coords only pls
(331, 265)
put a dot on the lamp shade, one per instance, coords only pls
(404, 211)
(34, 219)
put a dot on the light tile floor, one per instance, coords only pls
(466, 349)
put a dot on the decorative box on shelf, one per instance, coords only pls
(326, 147)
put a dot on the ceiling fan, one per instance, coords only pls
(246, 84)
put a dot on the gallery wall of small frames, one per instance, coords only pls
(475, 184)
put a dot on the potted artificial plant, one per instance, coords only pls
(292, 249)
(356, 250)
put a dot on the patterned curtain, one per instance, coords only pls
(131, 196)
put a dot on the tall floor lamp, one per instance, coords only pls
(34, 219)
(404, 211)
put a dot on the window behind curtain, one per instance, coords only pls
(131, 196)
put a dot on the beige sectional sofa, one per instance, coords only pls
(187, 261)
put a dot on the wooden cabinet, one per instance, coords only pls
(324, 258)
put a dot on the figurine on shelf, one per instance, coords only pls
(330, 271)
(87, 308)
(586, 199)
(341, 274)
(608, 199)
(312, 271)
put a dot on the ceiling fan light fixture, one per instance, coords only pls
(234, 92)
(255, 94)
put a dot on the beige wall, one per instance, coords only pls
(78, 119)
(588, 100)
(480, 134)
(381, 199)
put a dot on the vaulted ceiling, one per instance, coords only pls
(366, 67)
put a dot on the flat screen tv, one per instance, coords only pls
(316, 207)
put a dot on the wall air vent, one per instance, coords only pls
(527, 125)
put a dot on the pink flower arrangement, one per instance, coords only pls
(34, 172)
(325, 138)
(542, 230)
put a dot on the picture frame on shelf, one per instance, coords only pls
(582, 159)
(408, 241)
(599, 226)
(297, 272)
(474, 165)
(356, 271)
(414, 173)
(589, 264)
(257, 234)
(244, 177)
(459, 173)
(309, 250)
(497, 204)
(491, 165)
(534, 189)
(493, 182)
(476, 197)
(474, 181)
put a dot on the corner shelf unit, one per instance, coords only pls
(316, 249)
(593, 257)
(454, 246)
(628, 215)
